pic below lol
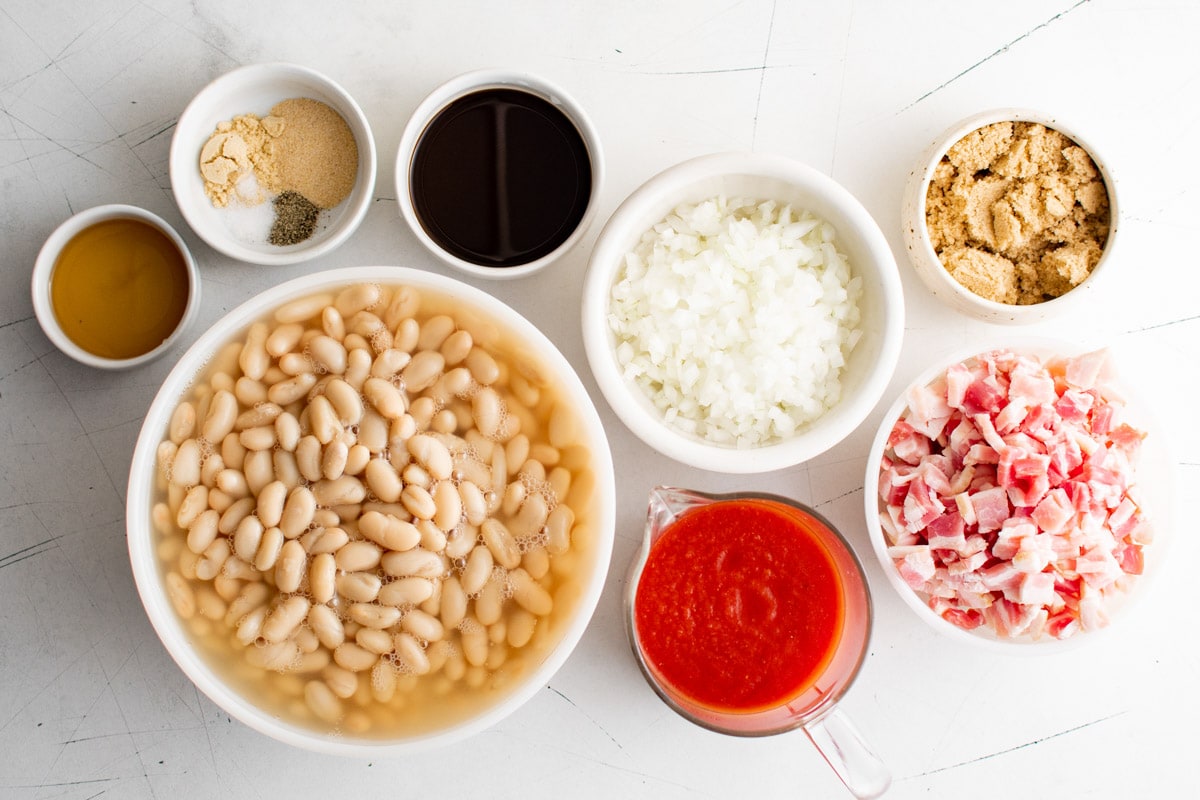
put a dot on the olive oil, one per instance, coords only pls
(119, 288)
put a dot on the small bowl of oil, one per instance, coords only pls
(115, 287)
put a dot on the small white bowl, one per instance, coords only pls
(470, 83)
(929, 267)
(43, 274)
(219, 684)
(1154, 489)
(255, 89)
(870, 366)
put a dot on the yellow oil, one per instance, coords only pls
(119, 288)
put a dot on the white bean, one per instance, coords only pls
(342, 682)
(297, 512)
(373, 615)
(270, 503)
(489, 604)
(530, 594)
(385, 397)
(185, 467)
(501, 542)
(418, 501)
(326, 625)
(388, 531)
(283, 620)
(322, 573)
(345, 490)
(411, 654)
(289, 390)
(181, 595)
(422, 625)
(474, 641)
(487, 409)
(203, 531)
(453, 607)
(222, 413)
(247, 537)
(268, 549)
(425, 368)
(383, 681)
(328, 353)
(351, 656)
(359, 587)
(323, 703)
(358, 556)
(417, 562)
(478, 569)
(290, 566)
(404, 591)
(382, 480)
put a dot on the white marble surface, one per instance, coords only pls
(90, 703)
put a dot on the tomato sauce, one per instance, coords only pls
(740, 605)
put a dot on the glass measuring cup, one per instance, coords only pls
(809, 701)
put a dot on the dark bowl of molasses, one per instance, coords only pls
(498, 173)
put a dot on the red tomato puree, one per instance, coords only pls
(740, 606)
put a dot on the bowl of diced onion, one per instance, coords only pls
(742, 312)
(1018, 495)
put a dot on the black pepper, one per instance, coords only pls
(295, 219)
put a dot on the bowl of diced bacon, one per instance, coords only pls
(1017, 496)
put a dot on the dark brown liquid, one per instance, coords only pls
(500, 178)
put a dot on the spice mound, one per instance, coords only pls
(302, 156)
(1017, 213)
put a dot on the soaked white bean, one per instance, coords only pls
(326, 624)
(403, 592)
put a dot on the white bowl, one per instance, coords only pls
(469, 83)
(925, 260)
(43, 271)
(870, 364)
(562, 635)
(1154, 489)
(255, 89)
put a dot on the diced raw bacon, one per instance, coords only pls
(928, 411)
(1024, 475)
(965, 618)
(947, 532)
(1031, 385)
(958, 378)
(1073, 406)
(1083, 371)
(991, 508)
(916, 567)
(1007, 495)
(1103, 418)
(985, 395)
(1131, 559)
(921, 505)
(907, 444)
(1054, 511)
(1011, 416)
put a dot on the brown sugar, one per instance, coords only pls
(1017, 213)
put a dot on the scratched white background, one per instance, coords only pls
(90, 703)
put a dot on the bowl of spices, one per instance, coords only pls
(273, 164)
(498, 173)
(114, 287)
(1010, 216)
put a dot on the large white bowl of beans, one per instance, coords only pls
(371, 510)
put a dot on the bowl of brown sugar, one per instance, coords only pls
(273, 164)
(1010, 216)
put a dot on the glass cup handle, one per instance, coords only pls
(850, 756)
